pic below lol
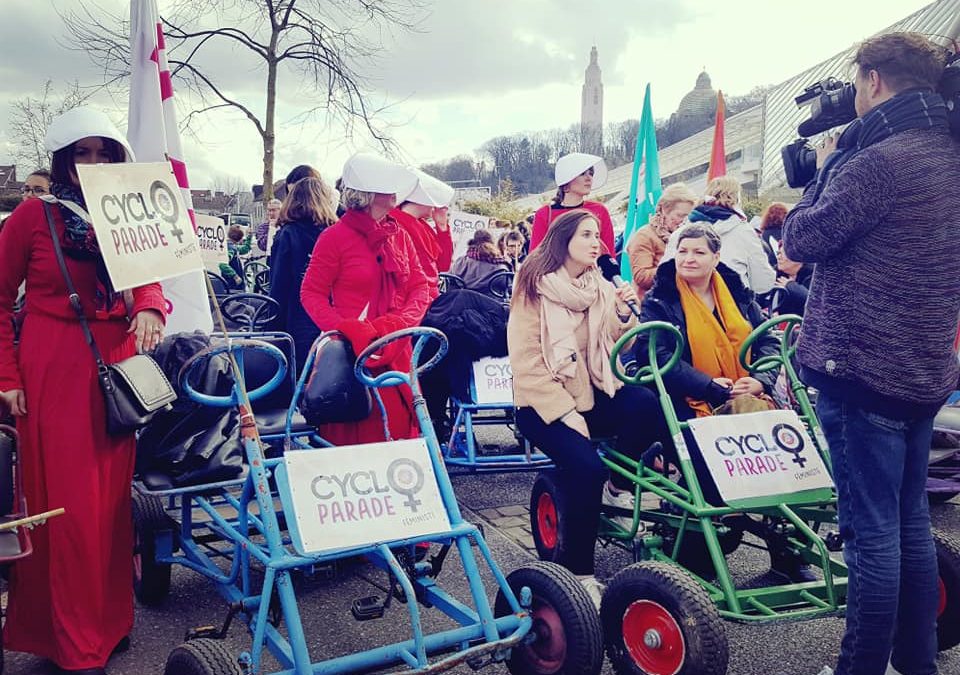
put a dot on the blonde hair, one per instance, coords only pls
(678, 193)
(355, 200)
(723, 191)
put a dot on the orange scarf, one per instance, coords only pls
(714, 345)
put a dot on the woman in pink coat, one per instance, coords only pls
(365, 280)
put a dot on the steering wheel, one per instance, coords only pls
(450, 282)
(500, 285)
(393, 377)
(251, 310)
(193, 364)
(648, 373)
(251, 270)
(788, 346)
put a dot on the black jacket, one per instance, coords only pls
(795, 292)
(475, 325)
(289, 257)
(662, 303)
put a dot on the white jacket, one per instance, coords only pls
(740, 249)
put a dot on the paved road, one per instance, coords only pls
(500, 502)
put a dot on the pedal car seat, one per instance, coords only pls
(258, 367)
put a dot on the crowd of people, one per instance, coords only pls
(878, 342)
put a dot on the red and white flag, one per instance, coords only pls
(153, 134)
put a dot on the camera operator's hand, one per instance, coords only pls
(825, 148)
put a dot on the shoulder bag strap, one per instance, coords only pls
(71, 289)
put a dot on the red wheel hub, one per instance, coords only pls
(547, 520)
(653, 638)
(548, 652)
(942, 607)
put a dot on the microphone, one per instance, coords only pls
(611, 272)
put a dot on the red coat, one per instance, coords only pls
(71, 601)
(343, 279)
(546, 214)
(434, 247)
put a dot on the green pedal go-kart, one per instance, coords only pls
(663, 615)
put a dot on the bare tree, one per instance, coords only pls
(323, 44)
(30, 117)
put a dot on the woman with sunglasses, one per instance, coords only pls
(576, 175)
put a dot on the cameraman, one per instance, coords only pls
(880, 220)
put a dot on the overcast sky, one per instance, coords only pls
(476, 69)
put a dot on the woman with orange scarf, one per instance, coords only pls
(715, 312)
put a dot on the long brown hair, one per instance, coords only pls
(309, 199)
(550, 255)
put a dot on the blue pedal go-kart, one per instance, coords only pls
(236, 535)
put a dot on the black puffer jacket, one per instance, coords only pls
(475, 325)
(662, 303)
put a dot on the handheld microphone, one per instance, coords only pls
(611, 272)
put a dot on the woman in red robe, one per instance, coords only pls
(434, 243)
(365, 280)
(576, 175)
(72, 600)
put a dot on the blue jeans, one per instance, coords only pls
(880, 470)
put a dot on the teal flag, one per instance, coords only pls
(646, 167)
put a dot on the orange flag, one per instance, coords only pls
(718, 156)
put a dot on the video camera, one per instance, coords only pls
(831, 105)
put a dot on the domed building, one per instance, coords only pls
(695, 113)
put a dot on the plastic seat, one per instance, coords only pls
(948, 419)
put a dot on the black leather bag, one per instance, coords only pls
(135, 389)
(332, 392)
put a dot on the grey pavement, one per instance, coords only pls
(499, 501)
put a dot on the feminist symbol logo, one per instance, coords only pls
(406, 477)
(790, 441)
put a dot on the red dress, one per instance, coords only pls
(547, 213)
(345, 278)
(434, 247)
(72, 600)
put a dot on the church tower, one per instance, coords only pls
(591, 108)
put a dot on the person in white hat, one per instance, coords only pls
(71, 601)
(430, 199)
(365, 280)
(576, 175)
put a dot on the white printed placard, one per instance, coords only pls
(493, 380)
(212, 237)
(462, 227)
(356, 495)
(142, 224)
(759, 454)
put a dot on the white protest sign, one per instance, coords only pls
(462, 227)
(363, 494)
(212, 237)
(759, 454)
(493, 380)
(141, 222)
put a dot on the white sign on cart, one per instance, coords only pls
(355, 495)
(759, 454)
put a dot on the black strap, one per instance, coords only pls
(71, 289)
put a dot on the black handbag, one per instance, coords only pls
(135, 389)
(333, 393)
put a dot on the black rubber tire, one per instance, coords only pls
(705, 648)
(201, 657)
(948, 563)
(555, 591)
(546, 491)
(152, 586)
